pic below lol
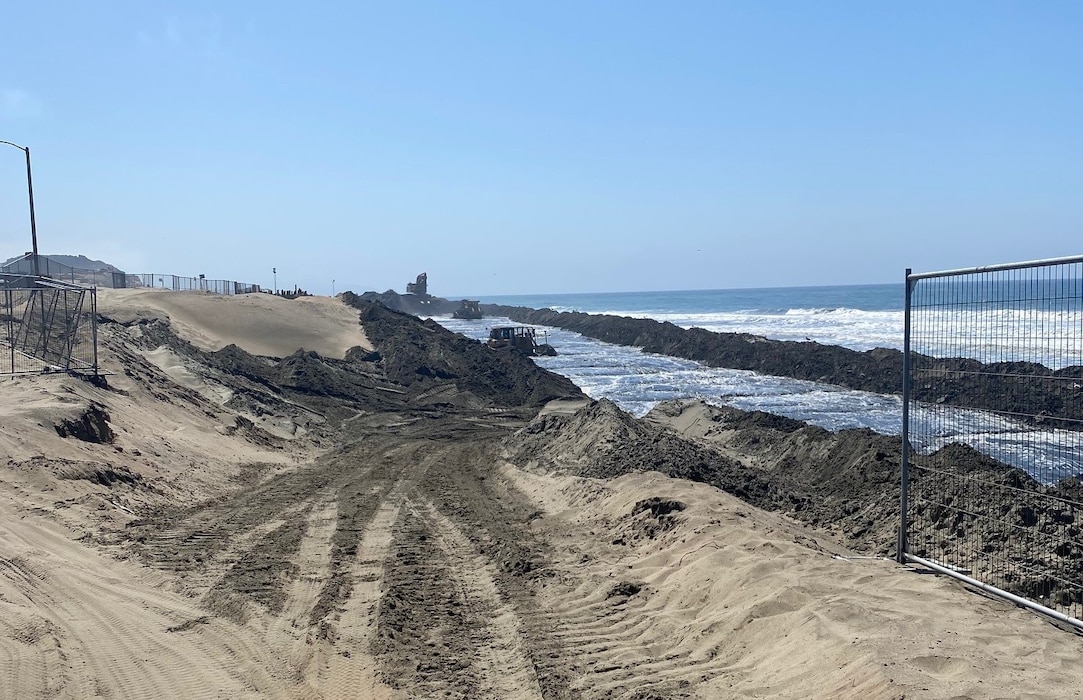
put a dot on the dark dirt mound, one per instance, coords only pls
(624, 589)
(253, 433)
(846, 482)
(406, 303)
(97, 472)
(658, 507)
(92, 425)
(103, 475)
(327, 386)
(420, 354)
(309, 373)
(968, 507)
(602, 441)
(649, 519)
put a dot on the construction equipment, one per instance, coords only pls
(468, 309)
(520, 338)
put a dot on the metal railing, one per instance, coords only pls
(993, 430)
(47, 326)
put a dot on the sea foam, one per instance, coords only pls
(637, 381)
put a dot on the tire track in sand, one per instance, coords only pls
(112, 631)
(426, 630)
(290, 631)
(347, 669)
(313, 563)
(498, 521)
(442, 627)
(616, 638)
(501, 661)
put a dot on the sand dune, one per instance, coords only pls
(764, 607)
(262, 324)
(219, 533)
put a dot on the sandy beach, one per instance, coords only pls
(271, 499)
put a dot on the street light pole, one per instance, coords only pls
(33, 219)
(274, 271)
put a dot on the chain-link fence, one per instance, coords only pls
(110, 278)
(993, 421)
(47, 267)
(181, 284)
(47, 326)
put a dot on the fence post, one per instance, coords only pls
(94, 326)
(9, 309)
(904, 498)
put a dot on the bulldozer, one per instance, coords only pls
(468, 309)
(520, 338)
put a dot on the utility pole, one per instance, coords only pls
(33, 220)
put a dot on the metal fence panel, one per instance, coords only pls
(993, 426)
(47, 326)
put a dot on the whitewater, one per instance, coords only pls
(858, 317)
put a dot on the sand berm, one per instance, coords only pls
(278, 498)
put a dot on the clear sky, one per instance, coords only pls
(515, 147)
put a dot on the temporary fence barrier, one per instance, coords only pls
(47, 326)
(993, 430)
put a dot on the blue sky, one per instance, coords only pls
(544, 147)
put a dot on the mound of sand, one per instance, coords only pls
(707, 597)
(600, 440)
(262, 324)
(214, 523)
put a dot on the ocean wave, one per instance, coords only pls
(637, 381)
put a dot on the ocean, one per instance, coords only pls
(859, 317)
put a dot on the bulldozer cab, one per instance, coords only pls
(468, 309)
(519, 337)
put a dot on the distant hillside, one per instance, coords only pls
(79, 262)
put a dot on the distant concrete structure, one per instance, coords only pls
(420, 287)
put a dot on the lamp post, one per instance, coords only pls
(274, 271)
(30, 191)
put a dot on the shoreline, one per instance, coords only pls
(878, 370)
(419, 518)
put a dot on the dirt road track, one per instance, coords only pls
(399, 545)
(403, 561)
